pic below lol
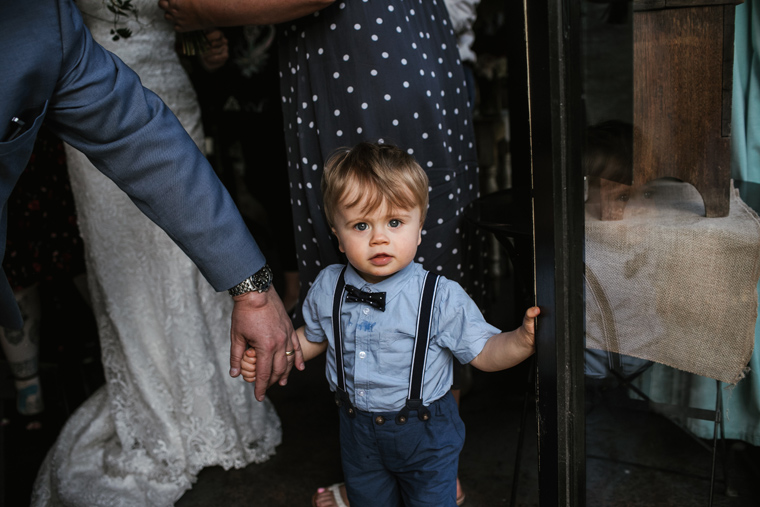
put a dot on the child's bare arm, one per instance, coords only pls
(309, 349)
(505, 350)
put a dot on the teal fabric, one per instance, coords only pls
(741, 402)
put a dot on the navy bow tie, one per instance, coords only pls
(374, 299)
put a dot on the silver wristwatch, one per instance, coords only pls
(259, 282)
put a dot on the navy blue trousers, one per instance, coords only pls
(412, 465)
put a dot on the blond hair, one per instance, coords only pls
(373, 173)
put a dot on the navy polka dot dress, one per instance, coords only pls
(388, 71)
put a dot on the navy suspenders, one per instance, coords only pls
(419, 356)
(341, 396)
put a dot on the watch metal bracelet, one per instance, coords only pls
(259, 282)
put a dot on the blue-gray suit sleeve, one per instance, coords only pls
(100, 107)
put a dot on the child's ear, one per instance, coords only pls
(340, 243)
(419, 236)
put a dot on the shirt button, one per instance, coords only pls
(361, 392)
(366, 311)
(362, 354)
(379, 420)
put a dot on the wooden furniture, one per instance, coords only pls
(683, 68)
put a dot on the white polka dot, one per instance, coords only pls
(318, 264)
(350, 89)
(308, 185)
(387, 97)
(346, 58)
(438, 245)
(384, 54)
(358, 130)
(339, 133)
(451, 196)
(320, 51)
(424, 135)
(439, 268)
(429, 93)
(336, 75)
(390, 8)
(420, 259)
(406, 85)
(454, 251)
(403, 61)
(379, 21)
(430, 163)
(398, 29)
(336, 112)
(357, 26)
(333, 26)
(364, 105)
(373, 72)
(416, 115)
(314, 167)
(440, 220)
(395, 123)
(305, 160)
(374, 37)
(410, 151)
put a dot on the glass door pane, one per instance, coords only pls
(670, 258)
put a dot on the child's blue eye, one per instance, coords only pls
(394, 223)
(361, 226)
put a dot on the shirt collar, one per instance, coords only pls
(392, 286)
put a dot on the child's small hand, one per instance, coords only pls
(529, 325)
(248, 365)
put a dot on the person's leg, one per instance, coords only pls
(427, 476)
(21, 348)
(368, 481)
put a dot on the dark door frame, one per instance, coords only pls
(556, 127)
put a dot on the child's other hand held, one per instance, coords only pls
(248, 365)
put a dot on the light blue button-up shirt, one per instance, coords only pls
(377, 346)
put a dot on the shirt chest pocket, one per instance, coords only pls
(395, 350)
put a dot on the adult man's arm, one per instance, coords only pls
(100, 108)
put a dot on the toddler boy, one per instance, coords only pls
(391, 330)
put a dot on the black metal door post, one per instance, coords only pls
(554, 71)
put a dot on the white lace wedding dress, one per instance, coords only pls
(169, 407)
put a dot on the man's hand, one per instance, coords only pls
(185, 15)
(260, 320)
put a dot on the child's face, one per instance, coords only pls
(378, 242)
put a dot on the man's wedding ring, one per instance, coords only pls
(289, 352)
